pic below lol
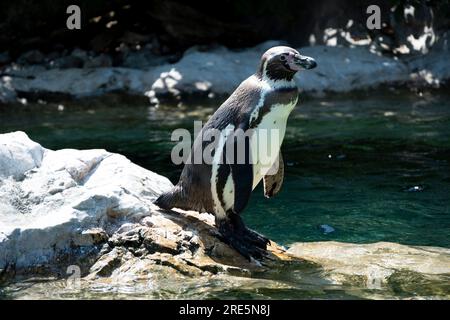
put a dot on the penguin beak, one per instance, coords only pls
(305, 62)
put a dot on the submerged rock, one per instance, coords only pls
(326, 229)
(93, 210)
(383, 265)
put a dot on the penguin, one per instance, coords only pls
(223, 185)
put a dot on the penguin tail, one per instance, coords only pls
(170, 199)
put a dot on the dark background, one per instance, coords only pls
(171, 26)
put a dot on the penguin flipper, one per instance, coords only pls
(241, 172)
(274, 178)
(243, 182)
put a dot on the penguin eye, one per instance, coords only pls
(283, 57)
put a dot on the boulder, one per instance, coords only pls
(343, 69)
(76, 82)
(56, 202)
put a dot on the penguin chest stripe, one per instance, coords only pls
(219, 174)
(225, 187)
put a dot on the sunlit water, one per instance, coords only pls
(358, 169)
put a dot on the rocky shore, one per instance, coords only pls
(206, 72)
(93, 210)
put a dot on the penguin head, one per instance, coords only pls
(281, 63)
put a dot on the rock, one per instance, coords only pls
(100, 61)
(79, 53)
(53, 199)
(94, 210)
(377, 265)
(96, 235)
(31, 57)
(433, 70)
(84, 82)
(347, 69)
(56, 202)
(18, 154)
(142, 59)
(4, 58)
(326, 229)
(218, 71)
(339, 69)
(67, 62)
(7, 92)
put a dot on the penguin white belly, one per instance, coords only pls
(269, 135)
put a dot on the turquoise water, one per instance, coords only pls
(371, 167)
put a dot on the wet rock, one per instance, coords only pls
(377, 265)
(107, 263)
(326, 229)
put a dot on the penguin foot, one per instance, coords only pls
(248, 243)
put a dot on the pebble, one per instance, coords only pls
(326, 229)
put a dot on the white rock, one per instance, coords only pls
(62, 194)
(342, 69)
(18, 154)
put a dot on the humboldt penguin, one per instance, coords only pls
(223, 184)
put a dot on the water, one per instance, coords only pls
(360, 168)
